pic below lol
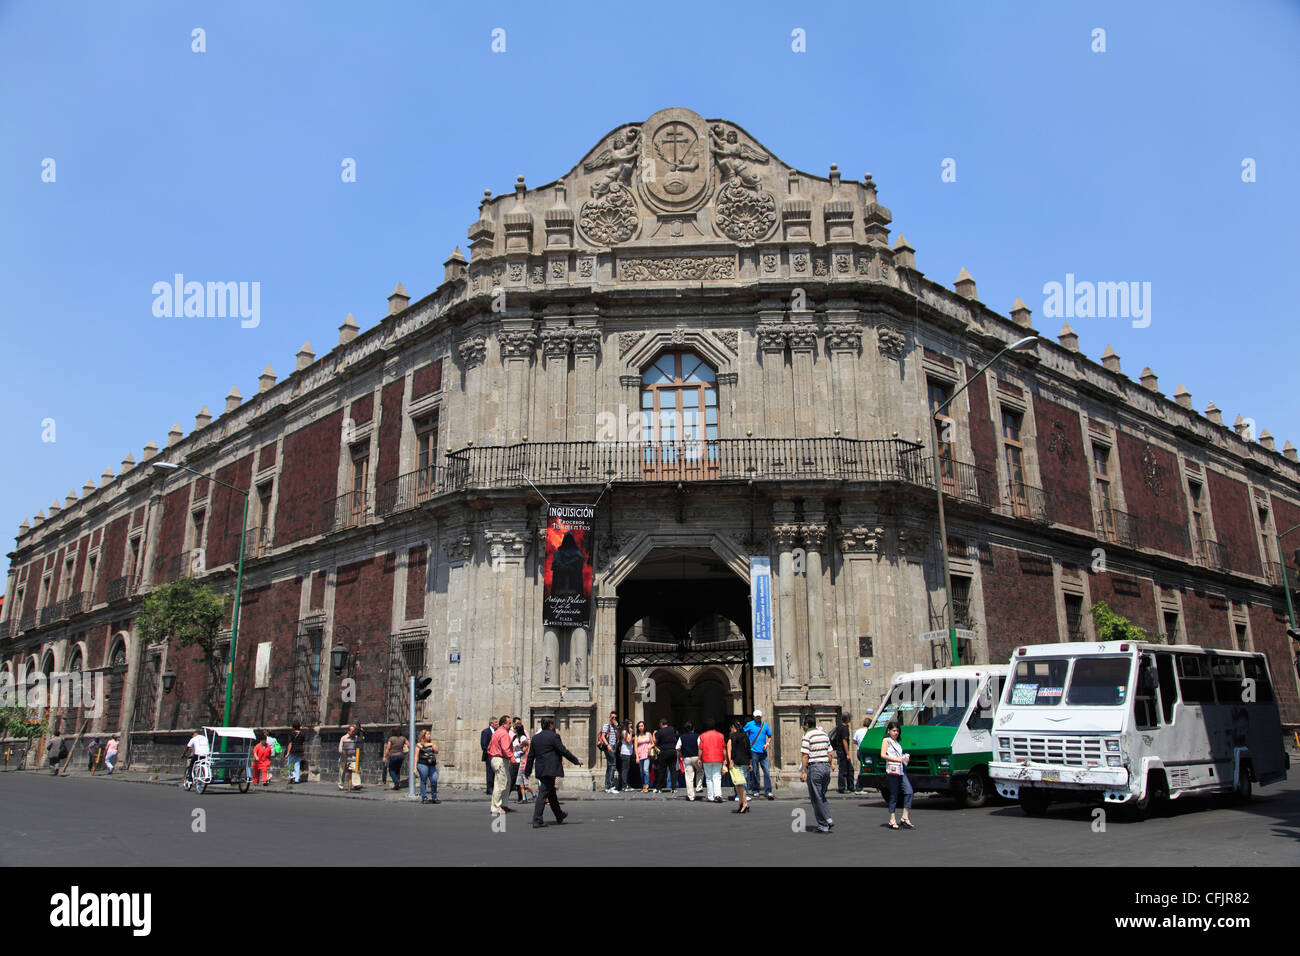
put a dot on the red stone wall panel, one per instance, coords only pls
(267, 614)
(1205, 620)
(427, 379)
(171, 537)
(390, 436)
(1130, 597)
(228, 512)
(266, 457)
(1268, 631)
(1154, 495)
(1019, 601)
(318, 590)
(112, 556)
(308, 478)
(417, 562)
(1234, 524)
(363, 409)
(983, 438)
(363, 609)
(1063, 464)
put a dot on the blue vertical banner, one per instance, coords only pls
(760, 609)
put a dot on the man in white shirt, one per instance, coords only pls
(196, 748)
(815, 770)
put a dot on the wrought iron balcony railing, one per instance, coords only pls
(1026, 501)
(412, 489)
(27, 621)
(1116, 527)
(1212, 555)
(346, 511)
(51, 612)
(963, 481)
(124, 587)
(75, 604)
(728, 459)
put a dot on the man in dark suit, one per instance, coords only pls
(545, 753)
(484, 739)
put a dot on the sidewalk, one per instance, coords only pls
(445, 794)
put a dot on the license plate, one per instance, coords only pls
(1051, 776)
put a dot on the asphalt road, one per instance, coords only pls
(97, 822)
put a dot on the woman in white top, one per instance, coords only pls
(626, 751)
(891, 751)
(520, 740)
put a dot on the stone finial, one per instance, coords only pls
(1266, 439)
(70, 500)
(520, 189)
(1149, 380)
(1182, 396)
(40, 516)
(1213, 414)
(106, 477)
(835, 175)
(54, 508)
(265, 381)
(174, 434)
(1241, 427)
(1110, 359)
(150, 450)
(397, 300)
(456, 265)
(1288, 452)
(904, 254)
(24, 527)
(88, 487)
(128, 463)
(233, 398)
(965, 285)
(349, 329)
(203, 418)
(1020, 313)
(306, 356)
(1068, 338)
(869, 185)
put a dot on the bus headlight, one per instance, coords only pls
(1004, 756)
(943, 761)
(1112, 746)
(1004, 741)
(1113, 760)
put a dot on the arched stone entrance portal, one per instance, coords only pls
(683, 638)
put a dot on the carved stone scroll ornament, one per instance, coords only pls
(771, 339)
(555, 342)
(843, 339)
(861, 538)
(803, 338)
(626, 340)
(891, 341)
(648, 269)
(472, 350)
(458, 549)
(611, 219)
(586, 341)
(730, 340)
(517, 343)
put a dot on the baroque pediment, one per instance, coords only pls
(677, 178)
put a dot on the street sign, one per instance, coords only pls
(962, 635)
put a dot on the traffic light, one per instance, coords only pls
(422, 689)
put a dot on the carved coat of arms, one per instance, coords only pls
(675, 169)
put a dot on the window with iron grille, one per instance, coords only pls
(961, 611)
(1074, 623)
(406, 657)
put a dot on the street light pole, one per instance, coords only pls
(1019, 345)
(239, 589)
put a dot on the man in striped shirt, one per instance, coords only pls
(815, 768)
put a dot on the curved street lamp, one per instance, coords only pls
(1018, 346)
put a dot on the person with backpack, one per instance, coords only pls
(56, 750)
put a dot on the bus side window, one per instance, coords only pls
(1168, 685)
(1257, 672)
(1229, 687)
(1194, 679)
(981, 715)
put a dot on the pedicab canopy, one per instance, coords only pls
(239, 733)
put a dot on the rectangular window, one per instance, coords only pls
(1101, 472)
(1038, 682)
(1074, 629)
(1172, 634)
(1243, 638)
(960, 601)
(1199, 529)
(133, 559)
(88, 584)
(1229, 686)
(65, 586)
(1194, 679)
(197, 520)
(1266, 540)
(939, 393)
(1168, 686)
(1014, 451)
(260, 534)
(1256, 672)
(426, 445)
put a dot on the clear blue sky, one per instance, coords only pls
(225, 165)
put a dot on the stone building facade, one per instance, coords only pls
(731, 358)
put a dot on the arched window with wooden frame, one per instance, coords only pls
(679, 416)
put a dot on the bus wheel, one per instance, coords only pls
(1244, 790)
(1141, 808)
(1033, 802)
(973, 790)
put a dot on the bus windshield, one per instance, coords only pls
(1094, 682)
(930, 703)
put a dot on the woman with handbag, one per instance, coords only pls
(426, 762)
(626, 751)
(643, 742)
(891, 751)
(738, 757)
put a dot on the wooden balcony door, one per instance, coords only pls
(679, 418)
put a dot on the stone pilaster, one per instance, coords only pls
(786, 536)
(819, 662)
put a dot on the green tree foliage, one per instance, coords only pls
(193, 614)
(22, 722)
(1115, 627)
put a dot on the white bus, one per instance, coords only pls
(1131, 723)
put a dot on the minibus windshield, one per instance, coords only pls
(931, 703)
(1094, 682)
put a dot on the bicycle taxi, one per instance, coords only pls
(234, 765)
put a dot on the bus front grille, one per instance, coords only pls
(1062, 751)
